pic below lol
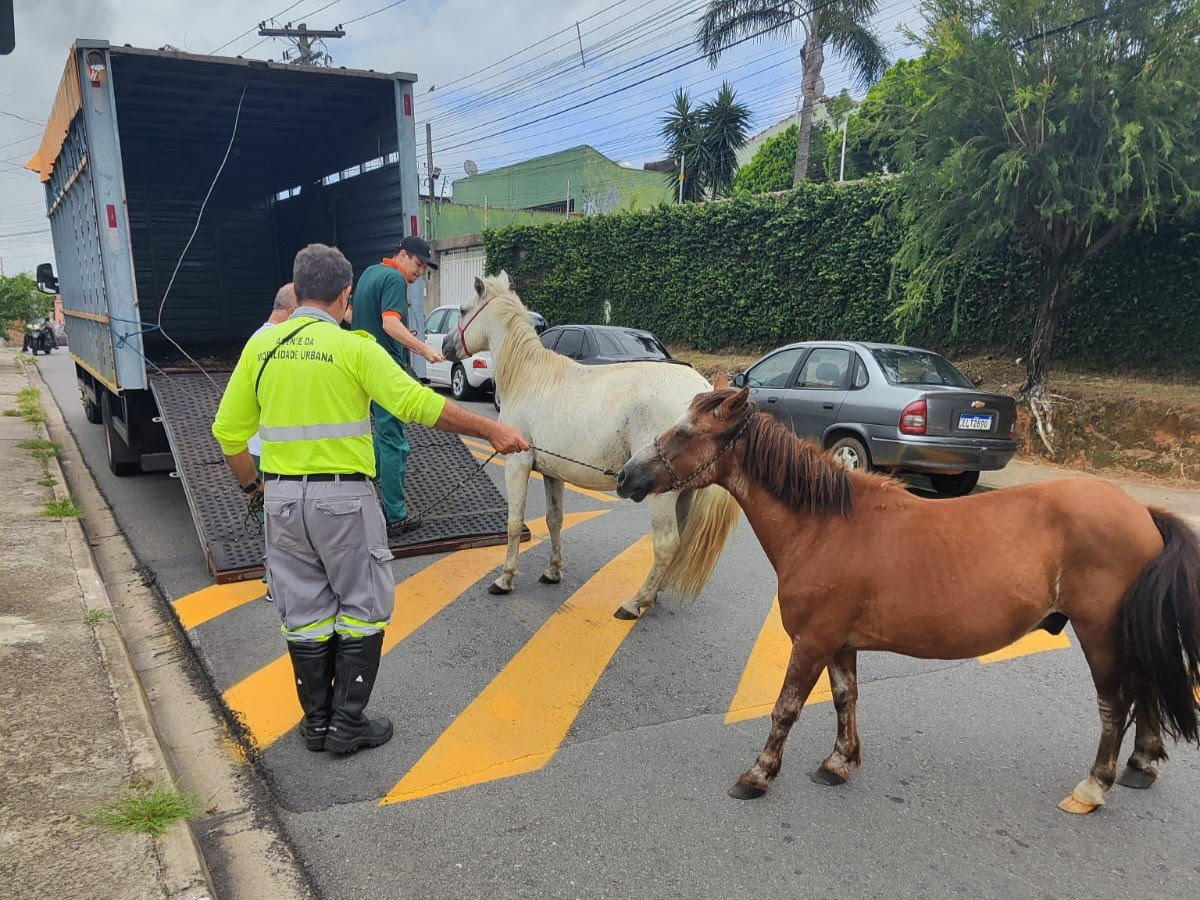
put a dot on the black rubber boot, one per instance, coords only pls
(313, 663)
(354, 676)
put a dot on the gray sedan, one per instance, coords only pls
(887, 407)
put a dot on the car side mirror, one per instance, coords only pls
(46, 282)
(739, 380)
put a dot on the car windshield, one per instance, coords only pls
(629, 343)
(904, 366)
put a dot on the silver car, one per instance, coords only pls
(887, 407)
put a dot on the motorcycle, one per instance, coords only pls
(39, 337)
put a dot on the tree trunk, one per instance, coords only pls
(1055, 291)
(814, 58)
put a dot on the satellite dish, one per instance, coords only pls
(470, 168)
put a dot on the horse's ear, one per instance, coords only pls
(479, 286)
(503, 276)
(721, 382)
(733, 406)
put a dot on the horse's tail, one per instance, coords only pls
(1158, 638)
(710, 521)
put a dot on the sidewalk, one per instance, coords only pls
(77, 729)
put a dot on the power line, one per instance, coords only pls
(252, 30)
(5, 112)
(375, 13)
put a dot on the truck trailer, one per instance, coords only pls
(179, 188)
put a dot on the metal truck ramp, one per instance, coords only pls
(474, 515)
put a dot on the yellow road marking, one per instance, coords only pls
(265, 701)
(216, 600)
(762, 679)
(480, 453)
(1034, 642)
(515, 725)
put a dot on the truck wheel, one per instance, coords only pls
(958, 485)
(122, 459)
(92, 412)
(460, 388)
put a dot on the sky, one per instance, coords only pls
(498, 82)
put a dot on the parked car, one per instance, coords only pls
(886, 407)
(472, 375)
(595, 345)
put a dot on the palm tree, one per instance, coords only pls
(684, 130)
(725, 128)
(839, 23)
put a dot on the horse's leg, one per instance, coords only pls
(1141, 771)
(665, 532)
(843, 678)
(1098, 647)
(517, 467)
(804, 667)
(554, 520)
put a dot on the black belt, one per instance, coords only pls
(322, 476)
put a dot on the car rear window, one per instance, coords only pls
(627, 343)
(904, 366)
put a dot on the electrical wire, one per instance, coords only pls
(250, 30)
(5, 112)
(375, 13)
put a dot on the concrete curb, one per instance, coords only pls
(185, 874)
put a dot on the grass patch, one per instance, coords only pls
(28, 396)
(146, 809)
(95, 616)
(66, 508)
(13, 412)
(48, 481)
(40, 447)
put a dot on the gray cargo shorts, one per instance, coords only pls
(327, 558)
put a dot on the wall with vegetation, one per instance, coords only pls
(815, 263)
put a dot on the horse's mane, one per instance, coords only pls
(792, 469)
(524, 368)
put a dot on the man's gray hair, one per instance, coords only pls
(285, 297)
(321, 273)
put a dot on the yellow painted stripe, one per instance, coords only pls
(515, 725)
(762, 679)
(1034, 642)
(265, 702)
(216, 600)
(587, 492)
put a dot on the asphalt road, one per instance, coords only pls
(541, 753)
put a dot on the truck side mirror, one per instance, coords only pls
(46, 282)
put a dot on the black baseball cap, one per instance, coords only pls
(414, 246)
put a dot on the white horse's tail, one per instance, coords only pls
(709, 523)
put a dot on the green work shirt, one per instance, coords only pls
(381, 290)
(312, 404)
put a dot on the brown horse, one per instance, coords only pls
(865, 565)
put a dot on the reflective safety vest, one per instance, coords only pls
(312, 401)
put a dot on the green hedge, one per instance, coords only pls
(815, 263)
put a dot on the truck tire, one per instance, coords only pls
(122, 459)
(92, 412)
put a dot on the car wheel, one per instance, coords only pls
(460, 388)
(955, 485)
(851, 454)
(496, 400)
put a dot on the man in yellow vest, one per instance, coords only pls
(306, 387)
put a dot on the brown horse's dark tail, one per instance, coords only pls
(1159, 634)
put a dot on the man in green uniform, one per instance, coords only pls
(306, 387)
(381, 309)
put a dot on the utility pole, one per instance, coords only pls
(682, 159)
(433, 174)
(303, 39)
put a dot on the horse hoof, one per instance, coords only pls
(544, 580)
(824, 776)
(624, 614)
(1136, 778)
(741, 791)
(496, 589)
(1074, 805)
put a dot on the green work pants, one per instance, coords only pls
(391, 462)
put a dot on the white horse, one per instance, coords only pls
(599, 416)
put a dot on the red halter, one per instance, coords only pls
(463, 326)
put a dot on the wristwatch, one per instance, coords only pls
(252, 486)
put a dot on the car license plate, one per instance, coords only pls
(974, 422)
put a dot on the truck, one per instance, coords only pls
(179, 188)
